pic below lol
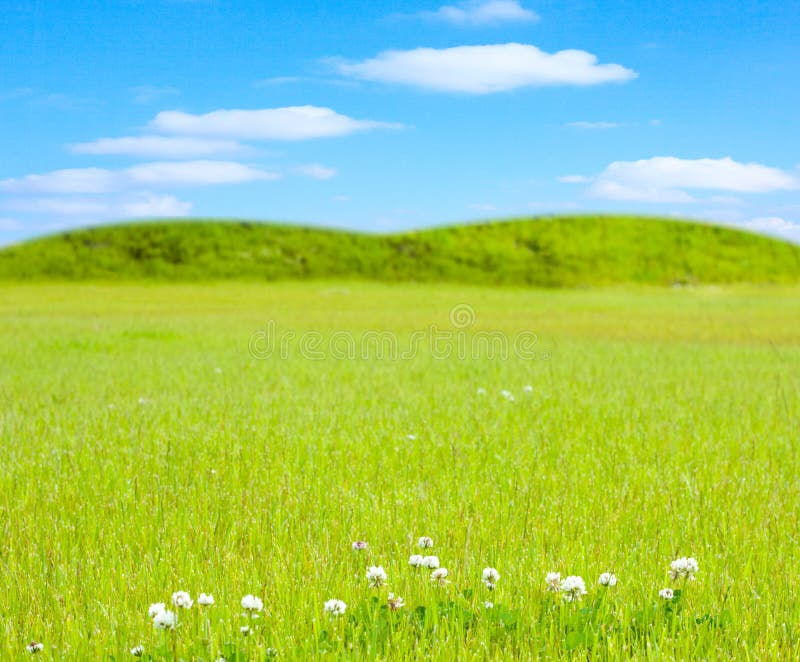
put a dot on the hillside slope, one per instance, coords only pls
(558, 251)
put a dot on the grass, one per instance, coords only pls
(579, 251)
(146, 451)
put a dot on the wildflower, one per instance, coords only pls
(245, 630)
(335, 607)
(359, 545)
(528, 389)
(416, 560)
(508, 395)
(395, 602)
(431, 562)
(165, 620)
(376, 576)
(488, 605)
(553, 580)
(137, 651)
(272, 652)
(182, 599)
(683, 568)
(490, 578)
(425, 542)
(205, 600)
(481, 390)
(666, 593)
(252, 603)
(155, 609)
(35, 647)
(572, 588)
(440, 576)
(411, 437)
(607, 579)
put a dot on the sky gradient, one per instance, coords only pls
(383, 116)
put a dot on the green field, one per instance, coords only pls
(147, 450)
(561, 251)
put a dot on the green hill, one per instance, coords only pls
(558, 251)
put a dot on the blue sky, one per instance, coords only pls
(384, 116)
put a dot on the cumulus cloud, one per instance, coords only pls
(159, 173)
(486, 69)
(9, 225)
(149, 93)
(141, 205)
(592, 125)
(315, 171)
(774, 225)
(170, 147)
(488, 12)
(668, 179)
(288, 123)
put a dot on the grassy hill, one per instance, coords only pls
(559, 251)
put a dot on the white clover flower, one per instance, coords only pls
(34, 647)
(359, 545)
(245, 630)
(416, 560)
(528, 389)
(607, 579)
(376, 576)
(508, 395)
(205, 600)
(252, 603)
(440, 576)
(481, 390)
(431, 562)
(572, 588)
(335, 607)
(165, 620)
(490, 578)
(137, 651)
(155, 609)
(182, 599)
(683, 568)
(395, 602)
(411, 437)
(425, 542)
(488, 605)
(553, 580)
(666, 593)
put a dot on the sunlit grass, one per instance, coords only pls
(146, 452)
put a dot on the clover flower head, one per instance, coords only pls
(572, 588)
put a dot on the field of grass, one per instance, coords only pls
(571, 251)
(150, 445)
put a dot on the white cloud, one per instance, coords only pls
(486, 69)
(75, 180)
(196, 173)
(774, 225)
(667, 178)
(160, 146)
(315, 171)
(161, 173)
(148, 93)
(140, 205)
(341, 198)
(289, 123)
(480, 206)
(483, 13)
(574, 179)
(593, 125)
(9, 225)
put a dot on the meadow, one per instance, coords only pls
(150, 447)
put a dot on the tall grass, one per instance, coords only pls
(146, 451)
